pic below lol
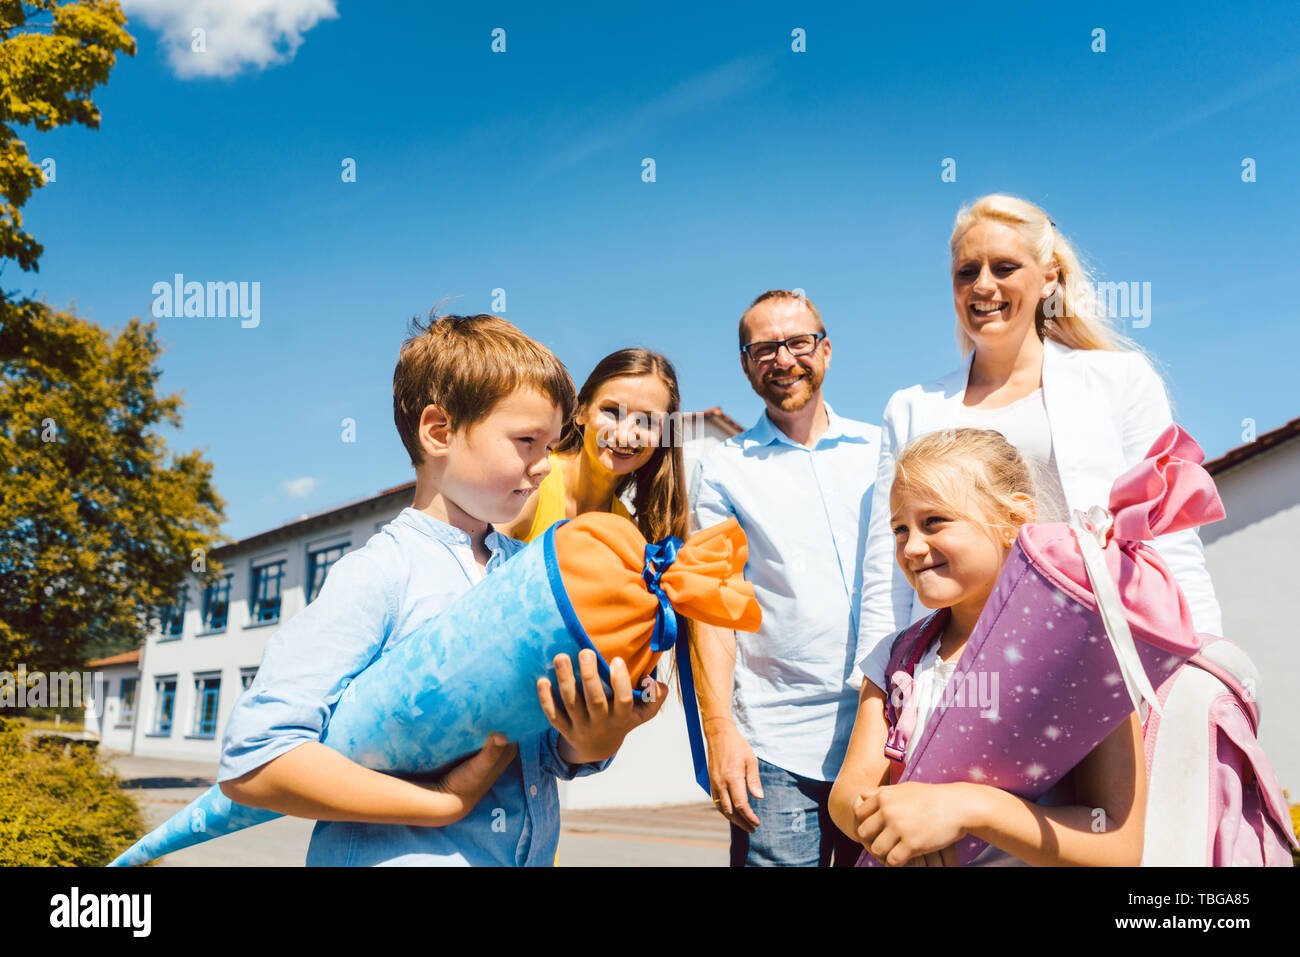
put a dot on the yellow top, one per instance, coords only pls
(550, 502)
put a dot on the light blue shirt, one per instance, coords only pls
(805, 512)
(412, 569)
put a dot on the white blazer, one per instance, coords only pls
(1104, 409)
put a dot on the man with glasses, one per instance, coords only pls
(778, 705)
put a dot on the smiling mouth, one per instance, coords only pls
(784, 382)
(621, 453)
(929, 568)
(990, 307)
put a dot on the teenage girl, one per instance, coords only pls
(622, 440)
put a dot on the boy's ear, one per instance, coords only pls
(435, 430)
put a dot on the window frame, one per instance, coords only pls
(311, 589)
(201, 695)
(161, 695)
(171, 625)
(223, 585)
(259, 581)
(125, 714)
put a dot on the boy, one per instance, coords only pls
(478, 405)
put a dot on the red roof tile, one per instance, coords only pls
(126, 657)
(1262, 443)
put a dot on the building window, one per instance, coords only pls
(127, 697)
(165, 689)
(318, 565)
(216, 604)
(207, 694)
(173, 616)
(246, 676)
(265, 602)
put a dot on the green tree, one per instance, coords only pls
(97, 529)
(46, 79)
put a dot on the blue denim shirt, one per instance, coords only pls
(414, 567)
(805, 512)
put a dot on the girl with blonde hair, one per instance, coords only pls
(957, 501)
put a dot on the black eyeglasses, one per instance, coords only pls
(799, 345)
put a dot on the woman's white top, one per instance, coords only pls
(1024, 424)
(1104, 409)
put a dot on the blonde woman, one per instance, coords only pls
(1079, 401)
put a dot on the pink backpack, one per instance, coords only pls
(1206, 772)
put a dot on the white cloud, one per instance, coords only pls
(237, 34)
(300, 487)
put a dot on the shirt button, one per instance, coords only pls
(532, 790)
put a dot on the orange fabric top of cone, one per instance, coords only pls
(601, 557)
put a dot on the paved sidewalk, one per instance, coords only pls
(689, 835)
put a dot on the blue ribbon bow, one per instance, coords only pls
(658, 558)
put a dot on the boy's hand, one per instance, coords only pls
(468, 781)
(591, 727)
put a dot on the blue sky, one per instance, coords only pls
(522, 170)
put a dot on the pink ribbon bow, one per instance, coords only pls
(1167, 491)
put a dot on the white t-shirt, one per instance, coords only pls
(1024, 424)
(929, 678)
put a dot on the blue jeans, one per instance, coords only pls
(795, 827)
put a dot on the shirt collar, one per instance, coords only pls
(440, 531)
(765, 431)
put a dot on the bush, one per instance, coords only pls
(59, 806)
(1295, 826)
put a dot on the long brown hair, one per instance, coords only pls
(659, 504)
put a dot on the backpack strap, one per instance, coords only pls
(908, 647)
(1227, 662)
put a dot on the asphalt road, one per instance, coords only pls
(688, 835)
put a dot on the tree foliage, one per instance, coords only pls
(48, 69)
(97, 529)
(57, 809)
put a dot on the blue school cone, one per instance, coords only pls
(209, 815)
(437, 695)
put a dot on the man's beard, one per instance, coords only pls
(791, 400)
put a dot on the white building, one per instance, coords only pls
(1252, 558)
(172, 698)
(112, 720)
